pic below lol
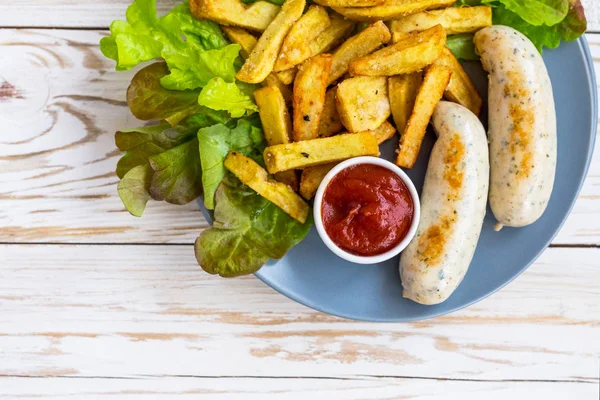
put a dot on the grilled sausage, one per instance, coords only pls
(453, 205)
(522, 126)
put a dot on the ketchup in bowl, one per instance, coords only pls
(367, 209)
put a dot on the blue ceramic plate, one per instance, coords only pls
(312, 275)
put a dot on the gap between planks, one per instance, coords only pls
(582, 380)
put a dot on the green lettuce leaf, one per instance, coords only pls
(539, 12)
(247, 231)
(141, 143)
(133, 189)
(575, 24)
(462, 46)
(215, 142)
(221, 95)
(177, 176)
(195, 50)
(541, 36)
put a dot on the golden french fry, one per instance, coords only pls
(255, 17)
(307, 153)
(287, 76)
(262, 58)
(280, 194)
(413, 53)
(384, 132)
(453, 19)
(403, 91)
(367, 41)
(363, 103)
(310, 86)
(312, 177)
(330, 119)
(339, 29)
(434, 83)
(349, 3)
(274, 115)
(296, 46)
(247, 41)
(461, 89)
(391, 9)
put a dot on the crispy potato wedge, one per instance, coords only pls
(453, 19)
(296, 46)
(262, 58)
(461, 89)
(403, 91)
(242, 37)
(312, 177)
(410, 54)
(310, 86)
(349, 3)
(274, 115)
(287, 76)
(280, 194)
(391, 9)
(330, 118)
(339, 29)
(363, 103)
(384, 132)
(308, 153)
(366, 42)
(255, 17)
(434, 83)
(247, 41)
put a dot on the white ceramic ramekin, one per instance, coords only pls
(353, 257)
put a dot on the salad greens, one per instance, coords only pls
(544, 22)
(201, 112)
(247, 231)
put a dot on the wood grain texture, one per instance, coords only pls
(60, 104)
(96, 14)
(152, 388)
(138, 311)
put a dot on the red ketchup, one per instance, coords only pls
(367, 209)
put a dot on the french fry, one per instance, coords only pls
(367, 41)
(296, 46)
(312, 177)
(339, 29)
(247, 41)
(453, 19)
(410, 54)
(384, 132)
(434, 83)
(403, 91)
(287, 76)
(274, 115)
(461, 89)
(310, 86)
(349, 3)
(330, 119)
(240, 36)
(391, 9)
(255, 17)
(363, 103)
(308, 153)
(280, 194)
(262, 59)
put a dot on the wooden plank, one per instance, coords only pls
(57, 154)
(287, 389)
(89, 13)
(134, 311)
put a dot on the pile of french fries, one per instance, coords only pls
(343, 82)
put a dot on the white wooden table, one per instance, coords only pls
(95, 304)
